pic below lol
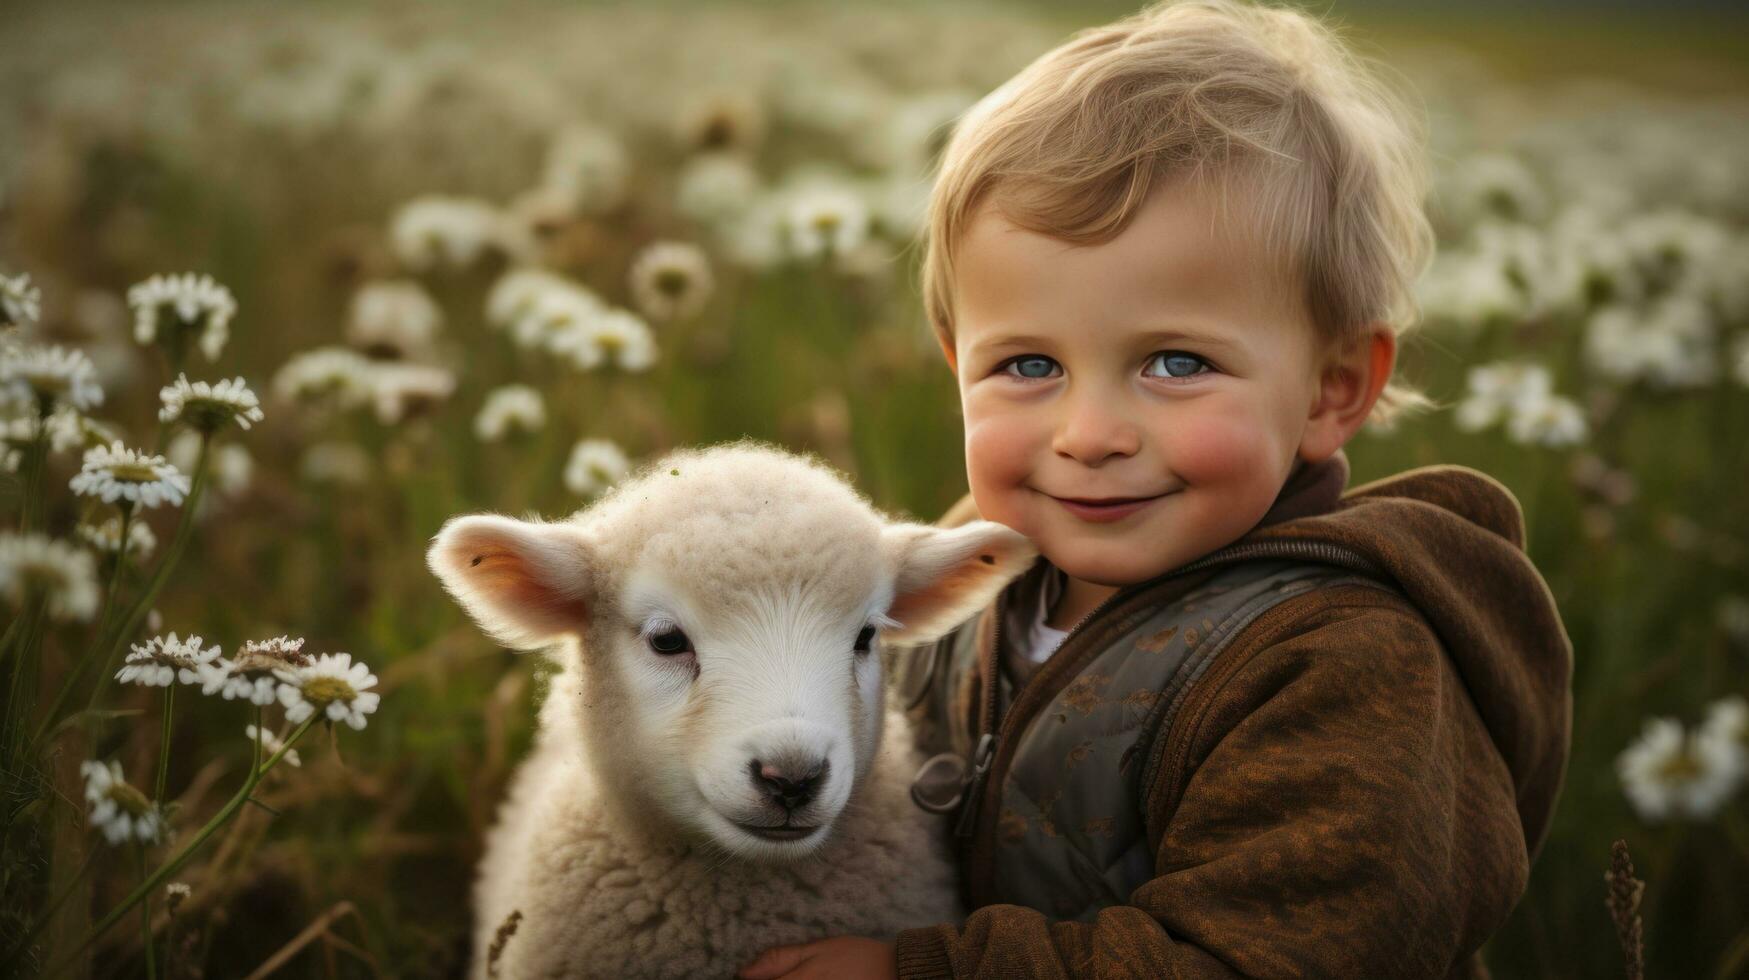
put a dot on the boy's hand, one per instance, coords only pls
(839, 958)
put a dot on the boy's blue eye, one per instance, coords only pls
(1177, 364)
(1031, 366)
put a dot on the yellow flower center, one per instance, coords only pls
(1680, 768)
(133, 472)
(324, 690)
(47, 384)
(671, 282)
(132, 801)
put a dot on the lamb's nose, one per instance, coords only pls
(789, 786)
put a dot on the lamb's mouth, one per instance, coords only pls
(784, 832)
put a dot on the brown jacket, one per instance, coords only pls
(1356, 784)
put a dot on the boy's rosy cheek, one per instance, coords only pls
(1220, 449)
(999, 451)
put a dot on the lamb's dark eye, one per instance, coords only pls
(865, 639)
(670, 642)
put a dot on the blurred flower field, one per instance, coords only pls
(285, 288)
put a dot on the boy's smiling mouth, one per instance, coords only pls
(1106, 509)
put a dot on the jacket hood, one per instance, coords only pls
(1452, 539)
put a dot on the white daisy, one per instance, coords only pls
(755, 238)
(714, 188)
(333, 685)
(1666, 773)
(163, 659)
(70, 430)
(18, 435)
(35, 564)
(434, 231)
(1498, 389)
(401, 391)
(671, 280)
(271, 745)
(278, 651)
(914, 131)
(1726, 731)
(1552, 421)
(393, 319)
(590, 165)
(508, 410)
(825, 220)
(249, 675)
(115, 473)
(325, 373)
(123, 813)
(1491, 186)
(106, 537)
(1669, 343)
(556, 320)
(209, 407)
(186, 303)
(49, 377)
(617, 337)
(595, 465)
(20, 302)
(1468, 290)
(516, 293)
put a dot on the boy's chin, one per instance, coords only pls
(1098, 567)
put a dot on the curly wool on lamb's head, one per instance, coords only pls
(744, 520)
(720, 609)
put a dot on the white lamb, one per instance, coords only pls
(717, 769)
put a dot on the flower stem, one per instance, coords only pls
(72, 681)
(107, 646)
(164, 741)
(17, 698)
(39, 461)
(184, 530)
(121, 557)
(146, 920)
(257, 769)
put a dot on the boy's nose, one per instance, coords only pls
(1093, 430)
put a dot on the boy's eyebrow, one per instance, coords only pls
(1194, 337)
(1187, 335)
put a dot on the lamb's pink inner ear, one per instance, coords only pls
(508, 580)
(943, 577)
(525, 583)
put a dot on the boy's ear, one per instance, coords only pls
(1349, 384)
(526, 583)
(942, 577)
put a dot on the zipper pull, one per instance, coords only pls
(975, 784)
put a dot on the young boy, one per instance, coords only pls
(1235, 721)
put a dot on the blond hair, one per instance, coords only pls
(1219, 93)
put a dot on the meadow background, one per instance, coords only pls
(373, 182)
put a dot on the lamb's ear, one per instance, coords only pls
(942, 577)
(526, 584)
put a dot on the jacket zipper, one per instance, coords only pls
(994, 734)
(986, 749)
(990, 664)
